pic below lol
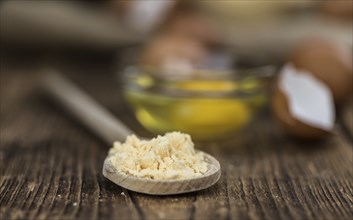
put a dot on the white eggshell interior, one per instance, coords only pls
(145, 15)
(309, 100)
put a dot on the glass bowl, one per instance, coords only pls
(207, 104)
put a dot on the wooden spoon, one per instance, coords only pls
(110, 129)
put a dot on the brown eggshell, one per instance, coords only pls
(291, 125)
(329, 62)
(338, 8)
(193, 25)
(120, 8)
(156, 53)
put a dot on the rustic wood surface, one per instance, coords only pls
(51, 165)
(346, 117)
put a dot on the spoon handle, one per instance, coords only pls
(83, 107)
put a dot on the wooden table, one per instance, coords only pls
(51, 165)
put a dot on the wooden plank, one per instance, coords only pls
(48, 175)
(50, 167)
(165, 207)
(275, 177)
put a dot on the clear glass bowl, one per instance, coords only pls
(206, 104)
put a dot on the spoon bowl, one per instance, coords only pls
(164, 187)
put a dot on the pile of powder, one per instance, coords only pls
(171, 156)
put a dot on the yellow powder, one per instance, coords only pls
(171, 156)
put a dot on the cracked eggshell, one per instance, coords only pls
(143, 16)
(328, 61)
(291, 125)
(298, 114)
(194, 25)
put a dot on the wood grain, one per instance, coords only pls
(50, 166)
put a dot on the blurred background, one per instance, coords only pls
(260, 29)
(202, 67)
